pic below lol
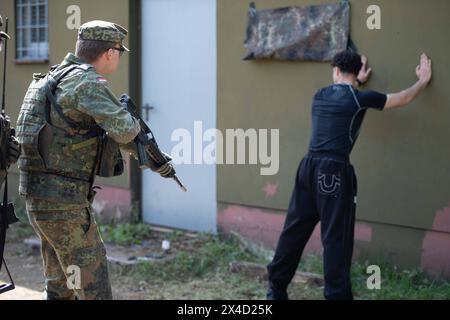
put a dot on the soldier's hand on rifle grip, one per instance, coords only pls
(166, 170)
(13, 150)
(151, 165)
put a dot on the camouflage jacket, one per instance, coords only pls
(86, 99)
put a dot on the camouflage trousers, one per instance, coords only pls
(73, 254)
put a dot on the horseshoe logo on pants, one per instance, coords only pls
(329, 184)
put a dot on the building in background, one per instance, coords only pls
(186, 67)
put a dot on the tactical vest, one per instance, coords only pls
(63, 151)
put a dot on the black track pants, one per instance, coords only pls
(325, 190)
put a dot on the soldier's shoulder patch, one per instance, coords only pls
(101, 79)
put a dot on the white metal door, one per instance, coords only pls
(179, 81)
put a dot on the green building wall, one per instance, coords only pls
(401, 157)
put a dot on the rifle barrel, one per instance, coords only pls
(177, 180)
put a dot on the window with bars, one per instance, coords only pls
(31, 30)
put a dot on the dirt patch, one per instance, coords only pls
(25, 267)
(158, 246)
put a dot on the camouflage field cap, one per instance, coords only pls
(103, 31)
(3, 34)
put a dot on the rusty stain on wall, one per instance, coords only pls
(436, 245)
(264, 227)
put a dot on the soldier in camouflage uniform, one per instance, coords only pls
(13, 148)
(56, 177)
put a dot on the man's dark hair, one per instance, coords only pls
(91, 50)
(348, 61)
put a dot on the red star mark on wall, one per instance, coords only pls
(270, 189)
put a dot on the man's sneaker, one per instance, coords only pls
(275, 294)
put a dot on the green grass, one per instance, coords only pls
(399, 284)
(175, 235)
(213, 256)
(202, 272)
(125, 233)
(209, 265)
(395, 283)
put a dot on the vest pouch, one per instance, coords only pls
(67, 155)
(110, 163)
(46, 137)
(28, 134)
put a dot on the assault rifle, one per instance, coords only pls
(149, 154)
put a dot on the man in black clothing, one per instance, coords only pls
(325, 185)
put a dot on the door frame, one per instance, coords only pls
(135, 87)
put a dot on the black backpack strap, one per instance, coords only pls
(62, 74)
(58, 109)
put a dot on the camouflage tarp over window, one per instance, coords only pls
(312, 33)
